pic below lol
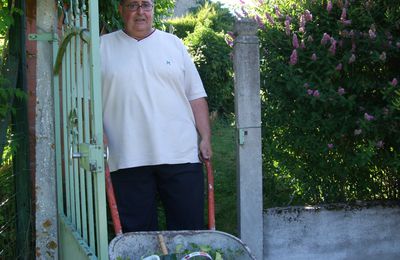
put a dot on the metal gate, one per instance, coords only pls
(79, 134)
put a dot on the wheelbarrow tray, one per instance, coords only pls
(135, 245)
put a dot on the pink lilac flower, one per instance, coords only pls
(352, 58)
(287, 25)
(293, 57)
(270, 19)
(245, 13)
(302, 44)
(229, 42)
(346, 22)
(310, 92)
(316, 93)
(332, 49)
(238, 14)
(314, 57)
(368, 117)
(330, 146)
(325, 38)
(229, 38)
(295, 41)
(357, 132)
(382, 57)
(307, 15)
(260, 23)
(231, 34)
(344, 14)
(339, 67)
(393, 82)
(372, 34)
(341, 91)
(302, 24)
(380, 144)
(277, 12)
(329, 6)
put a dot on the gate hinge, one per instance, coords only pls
(48, 37)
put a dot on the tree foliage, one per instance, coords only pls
(330, 97)
(203, 32)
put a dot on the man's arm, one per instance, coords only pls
(200, 111)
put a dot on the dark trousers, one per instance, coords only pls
(179, 186)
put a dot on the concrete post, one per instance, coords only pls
(248, 124)
(45, 177)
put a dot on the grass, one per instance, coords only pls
(224, 164)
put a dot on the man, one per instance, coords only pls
(156, 123)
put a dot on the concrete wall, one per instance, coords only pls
(183, 6)
(333, 232)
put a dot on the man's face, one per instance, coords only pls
(138, 22)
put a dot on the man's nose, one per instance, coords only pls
(140, 9)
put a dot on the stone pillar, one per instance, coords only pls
(45, 174)
(248, 125)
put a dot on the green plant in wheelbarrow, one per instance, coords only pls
(195, 252)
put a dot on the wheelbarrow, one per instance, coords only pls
(186, 244)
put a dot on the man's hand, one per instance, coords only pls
(200, 111)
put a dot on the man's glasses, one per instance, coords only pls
(146, 6)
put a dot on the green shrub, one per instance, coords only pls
(211, 56)
(212, 15)
(331, 118)
(203, 33)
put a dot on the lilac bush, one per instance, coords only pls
(331, 99)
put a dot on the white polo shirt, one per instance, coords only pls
(147, 86)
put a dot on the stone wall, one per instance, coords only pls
(368, 231)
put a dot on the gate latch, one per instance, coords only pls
(88, 156)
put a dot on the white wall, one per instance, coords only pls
(333, 232)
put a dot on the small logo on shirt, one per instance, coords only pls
(168, 62)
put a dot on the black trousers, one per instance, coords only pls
(179, 186)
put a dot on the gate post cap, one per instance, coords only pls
(245, 27)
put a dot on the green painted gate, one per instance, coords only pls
(79, 134)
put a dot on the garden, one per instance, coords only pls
(329, 91)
